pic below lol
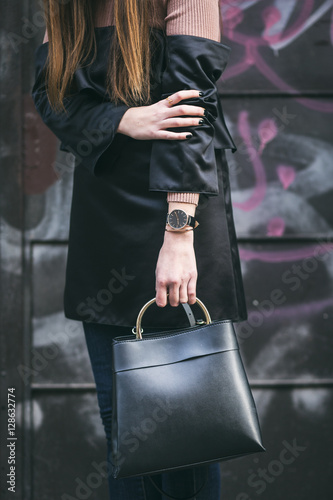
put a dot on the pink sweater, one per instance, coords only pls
(177, 17)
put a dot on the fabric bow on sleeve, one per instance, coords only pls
(190, 165)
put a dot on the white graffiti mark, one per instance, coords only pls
(308, 23)
(285, 9)
(312, 177)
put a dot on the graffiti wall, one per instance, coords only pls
(278, 99)
(277, 93)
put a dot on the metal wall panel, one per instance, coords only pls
(282, 173)
(13, 392)
(277, 95)
(69, 451)
(58, 344)
(288, 334)
(298, 462)
(278, 46)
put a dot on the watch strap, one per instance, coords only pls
(191, 221)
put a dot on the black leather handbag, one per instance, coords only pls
(181, 398)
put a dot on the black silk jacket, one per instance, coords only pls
(119, 203)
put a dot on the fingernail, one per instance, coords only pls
(206, 112)
(188, 136)
(200, 94)
(201, 122)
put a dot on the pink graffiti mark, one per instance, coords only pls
(233, 17)
(271, 15)
(252, 56)
(259, 191)
(296, 27)
(275, 227)
(267, 131)
(287, 255)
(237, 69)
(324, 107)
(286, 175)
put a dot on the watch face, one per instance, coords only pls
(177, 219)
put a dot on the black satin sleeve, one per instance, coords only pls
(87, 128)
(190, 165)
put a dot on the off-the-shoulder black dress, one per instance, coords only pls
(119, 205)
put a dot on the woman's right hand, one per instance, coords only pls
(152, 122)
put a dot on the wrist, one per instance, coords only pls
(179, 236)
(123, 126)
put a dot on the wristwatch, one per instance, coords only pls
(178, 219)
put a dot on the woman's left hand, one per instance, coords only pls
(176, 270)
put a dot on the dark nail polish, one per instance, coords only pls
(201, 122)
(188, 136)
(200, 94)
(206, 112)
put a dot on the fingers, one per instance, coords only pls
(181, 95)
(172, 136)
(161, 294)
(168, 123)
(185, 110)
(182, 122)
(183, 293)
(164, 133)
(174, 294)
(179, 116)
(191, 290)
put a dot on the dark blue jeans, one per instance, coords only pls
(179, 484)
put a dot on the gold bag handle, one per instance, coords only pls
(138, 330)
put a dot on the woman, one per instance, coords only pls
(129, 87)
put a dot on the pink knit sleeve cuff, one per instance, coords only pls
(184, 198)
